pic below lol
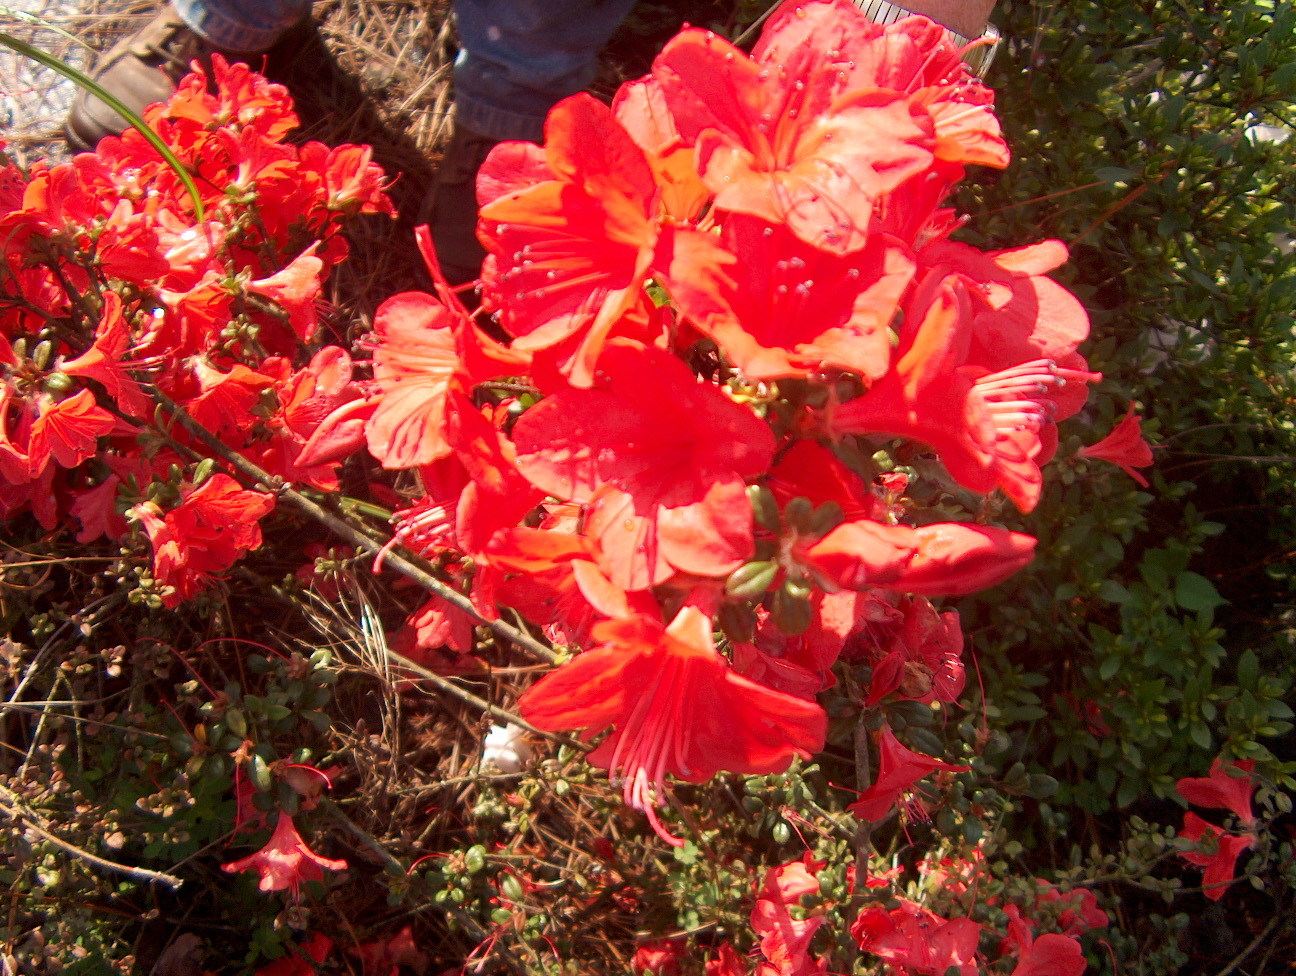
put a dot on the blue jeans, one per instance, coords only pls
(517, 57)
(241, 25)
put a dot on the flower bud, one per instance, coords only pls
(751, 580)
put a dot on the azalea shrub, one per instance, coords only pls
(702, 507)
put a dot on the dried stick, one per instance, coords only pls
(31, 821)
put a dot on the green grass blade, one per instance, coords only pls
(82, 80)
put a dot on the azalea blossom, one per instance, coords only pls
(899, 769)
(212, 527)
(570, 232)
(1051, 954)
(1220, 866)
(984, 425)
(1222, 789)
(661, 460)
(1124, 447)
(784, 940)
(301, 960)
(917, 940)
(285, 861)
(780, 307)
(783, 135)
(674, 706)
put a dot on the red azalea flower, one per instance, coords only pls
(661, 957)
(415, 358)
(661, 459)
(435, 626)
(918, 940)
(1220, 866)
(810, 470)
(778, 306)
(913, 55)
(1124, 447)
(68, 431)
(1083, 913)
(785, 941)
(985, 425)
(1051, 954)
(569, 253)
(352, 180)
(471, 494)
(105, 360)
(640, 106)
(552, 578)
(924, 661)
(285, 861)
(1020, 314)
(385, 957)
(225, 401)
(726, 963)
(294, 289)
(899, 769)
(941, 559)
(1222, 789)
(210, 529)
(780, 137)
(675, 706)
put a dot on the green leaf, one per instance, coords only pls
(1196, 593)
(1248, 670)
(688, 854)
(1113, 592)
(1200, 734)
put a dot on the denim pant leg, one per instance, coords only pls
(519, 57)
(242, 25)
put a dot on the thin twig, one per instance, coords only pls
(366, 838)
(863, 779)
(495, 711)
(31, 821)
(1255, 943)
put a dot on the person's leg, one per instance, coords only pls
(517, 59)
(144, 67)
(241, 25)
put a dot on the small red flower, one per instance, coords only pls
(661, 458)
(899, 769)
(301, 960)
(1222, 789)
(385, 957)
(918, 940)
(68, 431)
(785, 941)
(783, 137)
(571, 232)
(1220, 866)
(659, 958)
(211, 528)
(285, 861)
(1124, 447)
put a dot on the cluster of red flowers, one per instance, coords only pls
(118, 284)
(912, 939)
(730, 308)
